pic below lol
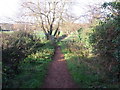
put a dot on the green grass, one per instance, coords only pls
(33, 69)
(79, 70)
(82, 74)
(32, 76)
(42, 35)
(86, 71)
(7, 32)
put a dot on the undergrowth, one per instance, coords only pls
(25, 60)
(33, 69)
(87, 72)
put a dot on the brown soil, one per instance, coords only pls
(58, 75)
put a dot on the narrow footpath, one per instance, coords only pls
(58, 75)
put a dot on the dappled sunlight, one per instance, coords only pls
(61, 60)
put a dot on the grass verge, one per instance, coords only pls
(86, 72)
(33, 69)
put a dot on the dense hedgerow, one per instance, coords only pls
(106, 39)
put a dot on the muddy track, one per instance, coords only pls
(58, 75)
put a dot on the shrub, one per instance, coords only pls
(106, 40)
(15, 47)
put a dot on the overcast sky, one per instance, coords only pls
(9, 8)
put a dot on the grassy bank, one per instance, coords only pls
(87, 72)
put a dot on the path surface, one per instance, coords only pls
(58, 75)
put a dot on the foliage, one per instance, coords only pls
(33, 68)
(87, 72)
(26, 56)
(106, 39)
(84, 53)
(79, 33)
(15, 47)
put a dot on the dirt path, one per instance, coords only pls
(58, 75)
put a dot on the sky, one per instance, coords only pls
(81, 7)
(10, 8)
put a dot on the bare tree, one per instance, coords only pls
(48, 14)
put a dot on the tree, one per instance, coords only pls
(48, 14)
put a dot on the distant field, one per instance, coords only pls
(6, 32)
(42, 35)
